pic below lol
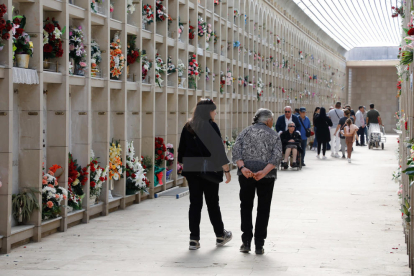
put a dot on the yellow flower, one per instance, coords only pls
(31, 44)
(76, 182)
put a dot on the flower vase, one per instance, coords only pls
(23, 60)
(46, 64)
(79, 70)
(92, 200)
(144, 25)
(70, 209)
(181, 81)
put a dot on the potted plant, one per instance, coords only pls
(23, 204)
(23, 47)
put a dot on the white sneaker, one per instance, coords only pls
(317, 156)
(332, 154)
(336, 155)
(324, 157)
(349, 160)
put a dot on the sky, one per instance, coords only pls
(356, 23)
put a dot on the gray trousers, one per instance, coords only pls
(343, 146)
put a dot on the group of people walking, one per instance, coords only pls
(258, 151)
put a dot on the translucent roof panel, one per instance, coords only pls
(356, 23)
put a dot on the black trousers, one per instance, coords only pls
(264, 189)
(198, 187)
(323, 146)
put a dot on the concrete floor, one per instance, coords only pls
(332, 218)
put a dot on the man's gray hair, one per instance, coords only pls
(287, 107)
(262, 115)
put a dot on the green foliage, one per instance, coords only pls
(23, 204)
(147, 163)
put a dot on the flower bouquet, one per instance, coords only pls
(202, 27)
(96, 58)
(77, 178)
(160, 149)
(117, 63)
(169, 156)
(146, 163)
(207, 73)
(77, 52)
(217, 2)
(179, 168)
(222, 81)
(160, 68)
(133, 53)
(95, 5)
(97, 177)
(209, 35)
(180, 30)
(136, 180)
(146, 66)
(23, 47)
(5, 26)
(193, 71)
(170, 66)
(111, 8)
(259, 88)
(130, 6)
(52, 41)
(240, 81)
(161, 12)
(52, 194)
(191, 32)
(147, 15)
(229, 144)
(229, 78)
(236, 13)
(116, 168)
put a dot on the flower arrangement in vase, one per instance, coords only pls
(5, 26)
(147, 15)
(116, 168)
(98, 176)
(161, 12)
(52, 41)
(208, 71)
(170, 66)
(259, 88)
(111, 8)
(240, 81)
(136, 180)
(180, 29)
(217, 2)
(229, 143)
(133, 53)
(236, 13)
(160, 68)
(169, 156)
(77, 52)
(22, 46)
(191, 32)
(193, 71)
(130, 6)
(222, 81)
(160, 150)
(95, 5)
(229, 77)
(96, 58)
(77, 178)
(117, 63)
(146, 65)
(179, 168)
(202, 27)
(52, 194)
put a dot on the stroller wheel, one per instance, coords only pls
(382, 146)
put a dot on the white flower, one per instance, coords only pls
(45, 37)
(57, 33)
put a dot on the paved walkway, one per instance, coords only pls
(332, 218)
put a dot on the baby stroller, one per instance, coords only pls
(290, 159)
(376, 135)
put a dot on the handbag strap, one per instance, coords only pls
(300, 120)
(337, 115)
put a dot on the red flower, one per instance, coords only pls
(6, 36)
(93, 184)
(19, 31)
(47, 48)
(410, 31)
(159, 152)
(101, 179)
(127, 174)
(49, 27)
(59, 53)
(406, 126)
(133, 175)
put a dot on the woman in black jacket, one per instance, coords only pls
(202, 150)
(322, 123)
(315, 114)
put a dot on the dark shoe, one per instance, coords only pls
(227, 236)
(357, 144)
(294, 165)
(303, 164)
(194, 245)
(363, 145)
(259, 250)
(285, 165)
(245, 247)
(343, 156)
